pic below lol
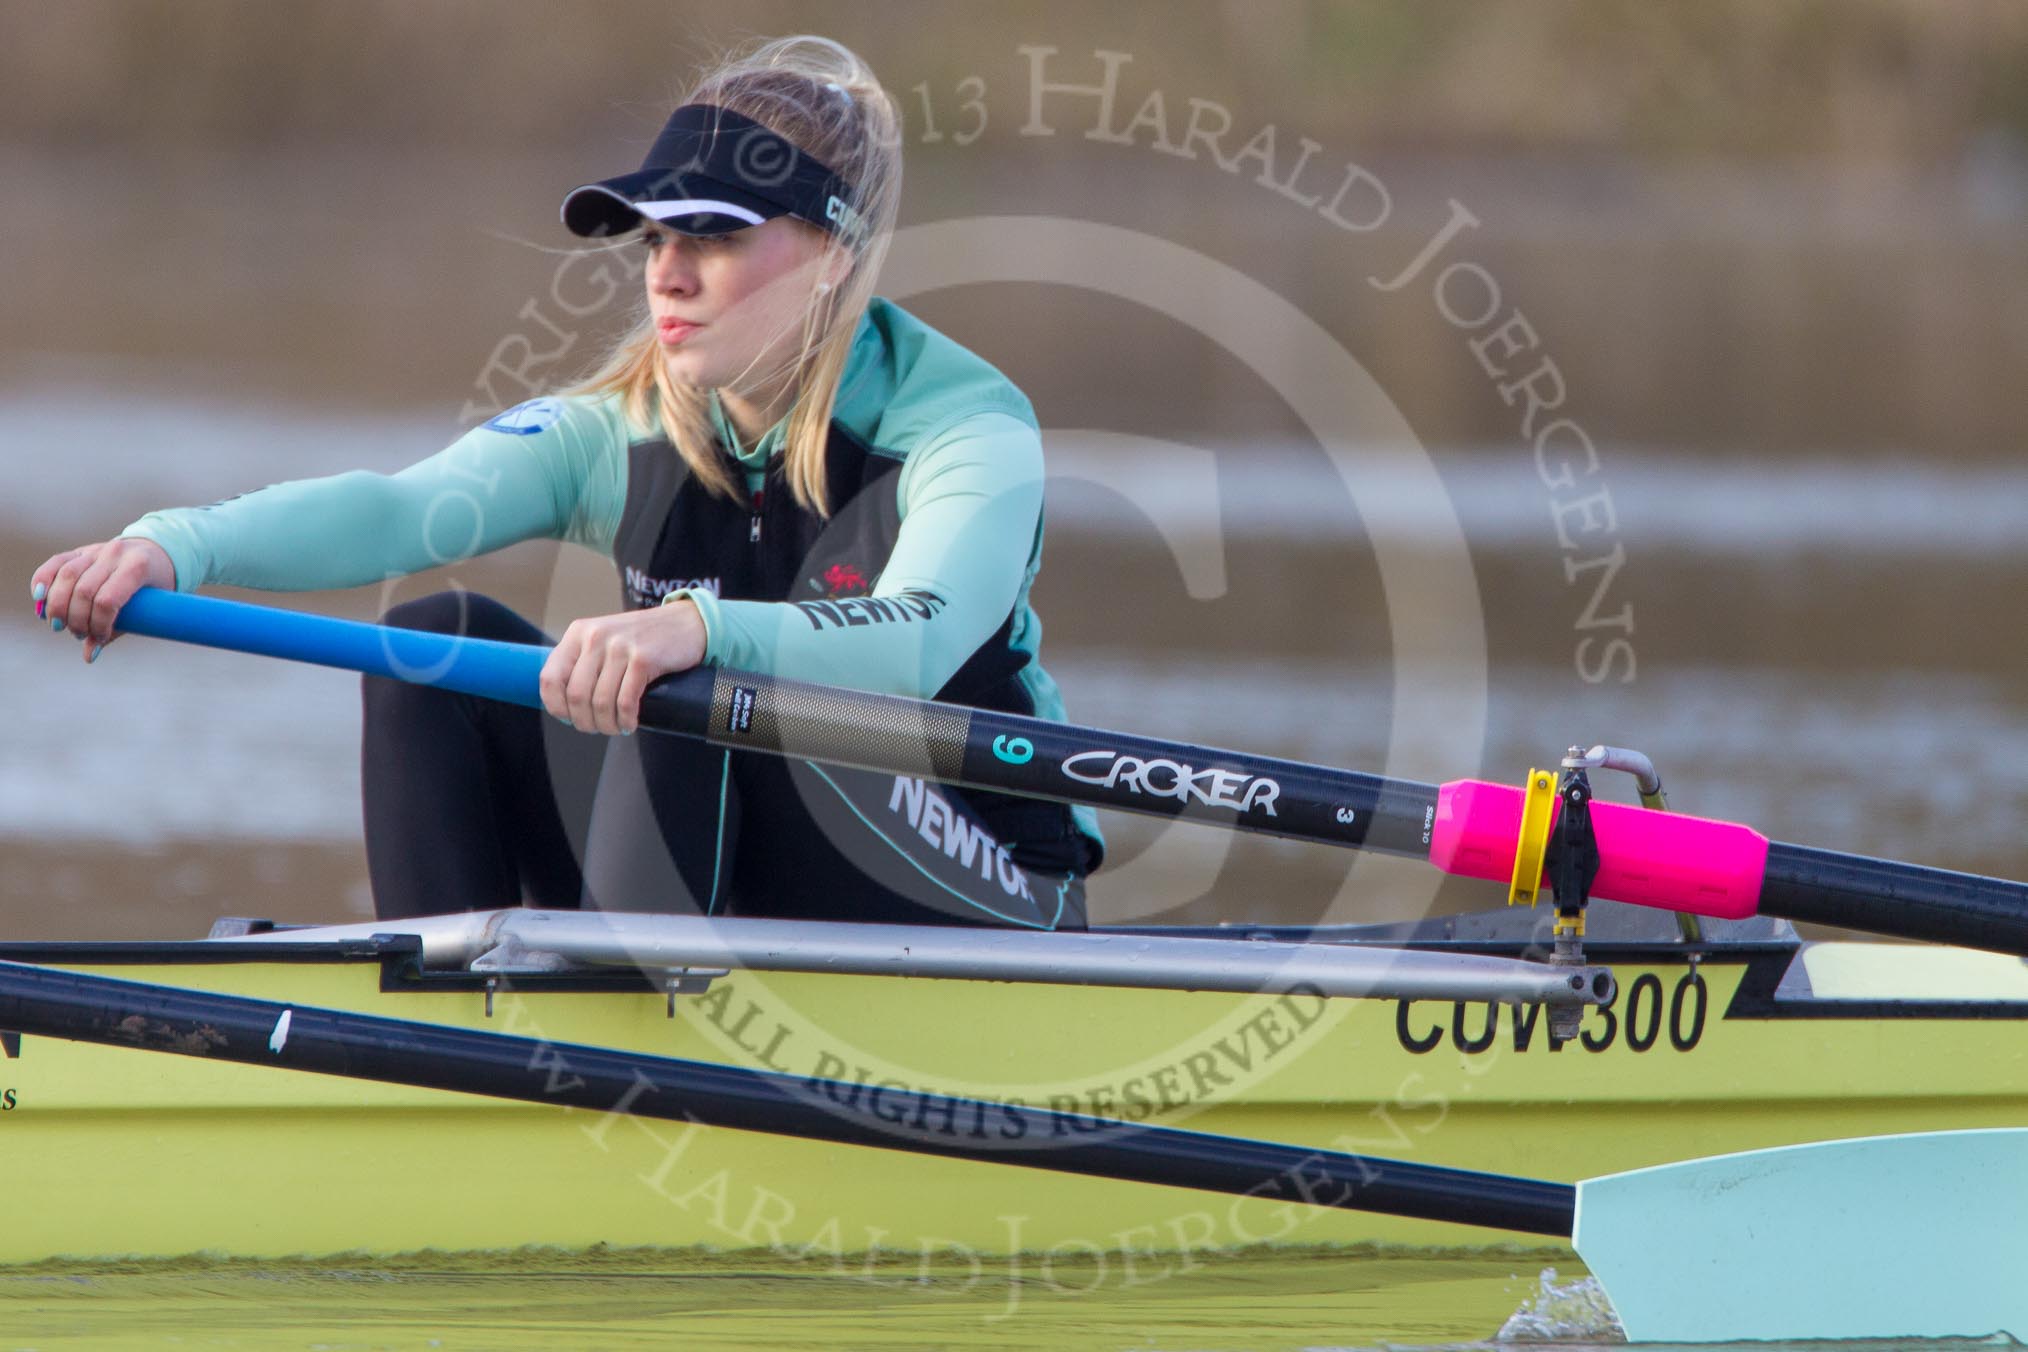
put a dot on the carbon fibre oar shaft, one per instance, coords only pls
(1467, 827)
(1882, 896)
(87, 1008)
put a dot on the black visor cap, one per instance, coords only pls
(712, 171)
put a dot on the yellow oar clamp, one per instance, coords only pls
(1538, 804)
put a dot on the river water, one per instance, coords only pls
(1268, 1302)
(1283, 1301)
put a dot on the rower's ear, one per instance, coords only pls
(834, 266)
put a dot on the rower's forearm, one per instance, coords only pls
(895, 643)
(347, 530)
(300, 536)
(556, 471)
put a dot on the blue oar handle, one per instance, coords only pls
(472, 666)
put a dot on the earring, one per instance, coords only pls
(823, 287)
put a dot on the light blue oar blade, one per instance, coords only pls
(1924, 1235)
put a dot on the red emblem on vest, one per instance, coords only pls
(844, 580)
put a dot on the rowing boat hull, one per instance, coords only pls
(115, 1152)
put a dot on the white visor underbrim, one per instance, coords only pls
(697, 206)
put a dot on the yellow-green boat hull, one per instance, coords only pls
(112, 1152)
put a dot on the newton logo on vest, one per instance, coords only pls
(643, 590)
(962, 841)
(913, 604)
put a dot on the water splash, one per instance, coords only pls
(1573, 1311)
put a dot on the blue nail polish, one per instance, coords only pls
(41, 590)
(95, 655)
(56, 626)
(626, 732)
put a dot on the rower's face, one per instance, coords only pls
(727, 306)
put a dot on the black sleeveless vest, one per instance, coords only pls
(675, 533)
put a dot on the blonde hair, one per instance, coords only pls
(819, 95)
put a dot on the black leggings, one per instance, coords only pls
(473, 805)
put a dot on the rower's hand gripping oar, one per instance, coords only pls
(1467, 827)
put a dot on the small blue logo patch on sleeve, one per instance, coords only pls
(525, 420)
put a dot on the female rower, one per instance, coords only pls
(791, 475)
